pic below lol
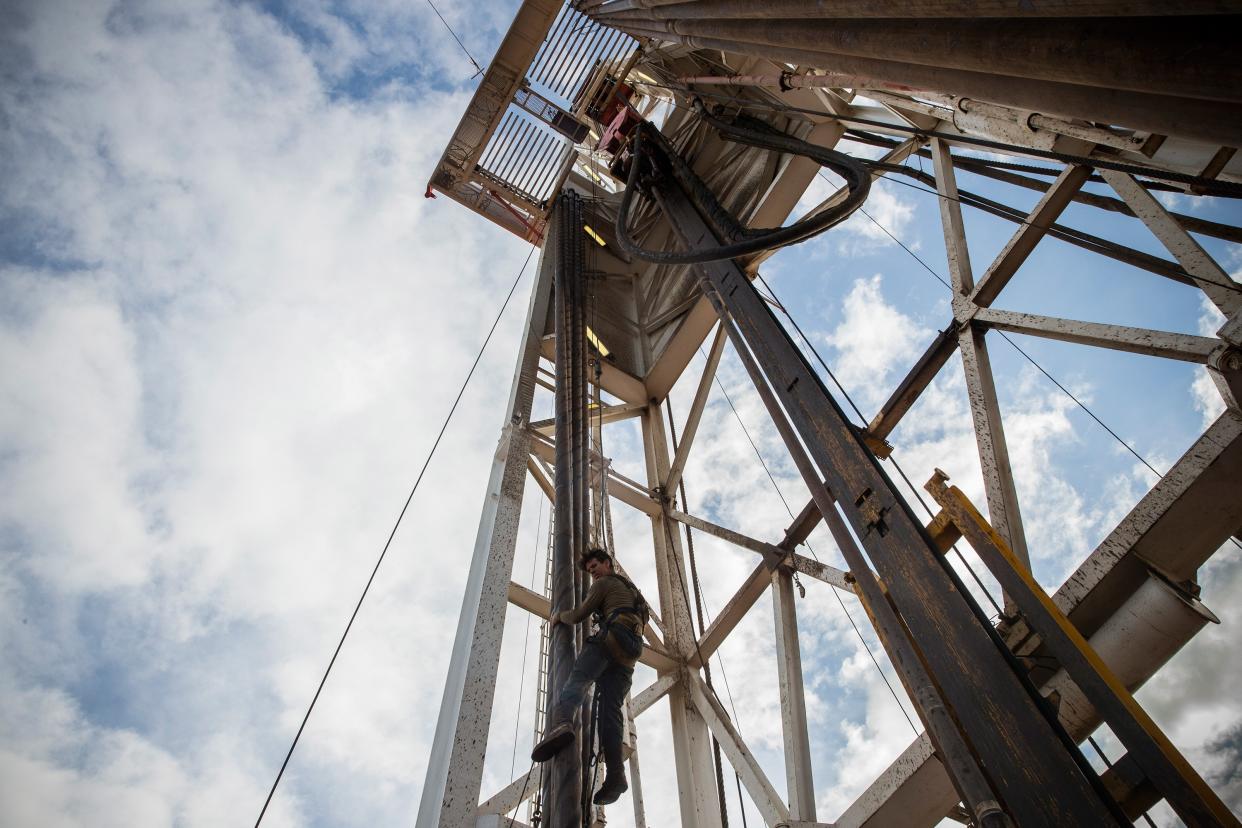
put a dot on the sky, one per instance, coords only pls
(230, 328)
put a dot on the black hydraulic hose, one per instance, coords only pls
(856, 175)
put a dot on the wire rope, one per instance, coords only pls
(522, 795)
(388, 543)
(1028, 357)
(811, 549)
(863, 422)
(1057, 231)
(458, 39)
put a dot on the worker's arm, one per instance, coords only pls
(594, 600)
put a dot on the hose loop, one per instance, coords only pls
(738, 240)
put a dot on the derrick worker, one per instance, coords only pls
(608, 659)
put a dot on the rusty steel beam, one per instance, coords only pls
(1181, 56)
(922, 9)
(1193, 800)
(1167, 114)
(954, 637)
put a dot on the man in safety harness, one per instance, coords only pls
(608, 659)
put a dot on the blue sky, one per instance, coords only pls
(231, 326)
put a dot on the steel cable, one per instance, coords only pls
(810, 549)
(392, 534)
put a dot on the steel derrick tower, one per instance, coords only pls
(642, 143)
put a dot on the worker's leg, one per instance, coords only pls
(588, 667)
(558, 734)
(614, 684)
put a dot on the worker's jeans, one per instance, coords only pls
(594, 665)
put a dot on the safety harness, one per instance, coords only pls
(626, 647)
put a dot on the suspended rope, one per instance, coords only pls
(522, 795)
(393, 533)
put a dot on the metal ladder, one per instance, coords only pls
(541, 686)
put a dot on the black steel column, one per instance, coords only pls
(562, 805)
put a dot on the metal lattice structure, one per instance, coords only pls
(1057, 86)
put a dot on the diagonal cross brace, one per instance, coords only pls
(996, 707)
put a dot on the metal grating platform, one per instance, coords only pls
(516, 141)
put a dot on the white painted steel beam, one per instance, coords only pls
(765, 797)
(695, 415)
(1002, 496)
(1184, 347)
(799, 781)
(1222, 290)
(657, 690)
(636, 791)
(610, 414)
(619, 486)
(774, 555)
(511, 796)
(692, 753)
(455, 767)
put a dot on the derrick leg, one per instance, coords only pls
(455, 766)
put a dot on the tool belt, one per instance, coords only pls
(621, 636)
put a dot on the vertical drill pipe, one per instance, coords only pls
(581, 460)
(561, 800)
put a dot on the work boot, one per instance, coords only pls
(614, 785)
(553, 742)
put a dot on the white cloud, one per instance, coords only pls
(1203, 390)
(1182, 698)
(874, 340)
(229, 322)
(229, 317)
(69, 422)
(859, 234)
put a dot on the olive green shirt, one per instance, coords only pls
(605, 595)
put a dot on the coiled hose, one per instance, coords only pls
(741, 240)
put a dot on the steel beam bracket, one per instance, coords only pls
(874, 513)
(880, 447)
(964, 310)
(1225, 368)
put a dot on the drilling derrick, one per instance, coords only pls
(656, 152)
